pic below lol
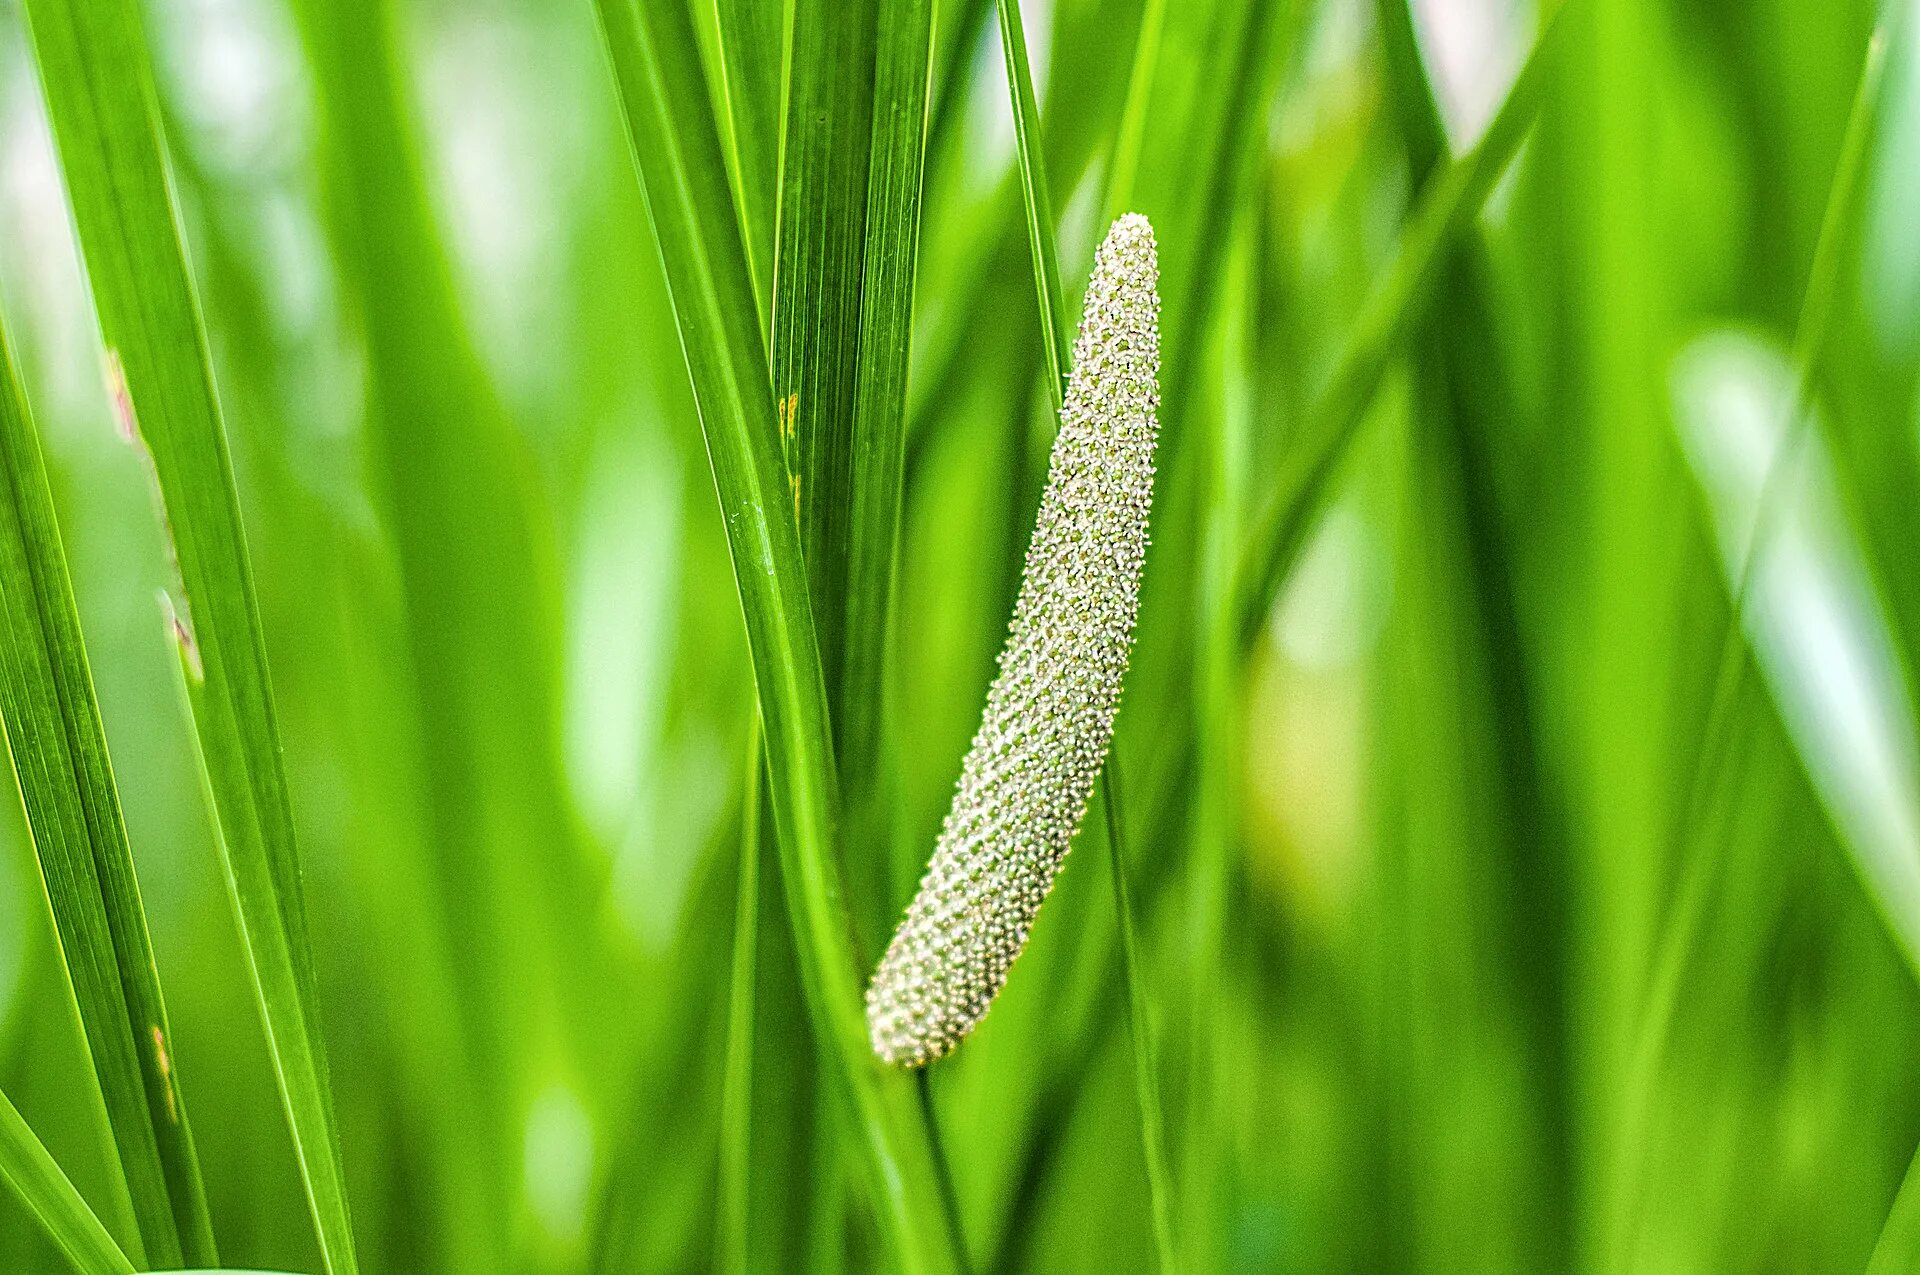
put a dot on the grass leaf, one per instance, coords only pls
(1053, 320)
(1037, 203)
(1461, 359)
(1146, 1073)
(1451, 202)
(677, 150)
(59, 750)
(903, 49)
(736, 1098)
(817, 300)
(1792, 513)
(51, 1199)
(752, 47)
(1124, 163)
(95, 72)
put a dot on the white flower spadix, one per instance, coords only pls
(1049, 716)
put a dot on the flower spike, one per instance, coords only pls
(1049, 715)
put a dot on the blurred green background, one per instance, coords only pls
(1538, 888)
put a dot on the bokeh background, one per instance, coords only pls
(1515, 900)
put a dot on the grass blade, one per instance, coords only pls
(1146, 1075)
(1788, 479)
(1042, 240)
(1898, 1248)
(736, 1094)
(1125, 162)
(1451, 202)
(51, 1198)
(677, 150)
(95, 72)
(59, 750)
(1047, 288)
(453, 478)
(817, 312)
(752, 39)
(1472, 403)
(903, 52)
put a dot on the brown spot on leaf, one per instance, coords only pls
(121, 398)
(180, 623)
(165, 1062)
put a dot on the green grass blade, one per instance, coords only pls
(1047, 288)
(1146, 1074)
(677, 150)
(903, 51)
(1042, 241)
(817, 301)
(752, 38)
(1452, 201)
(59, 750)
(1898, 1248)
(1124, 165)
(456, 485)
(94, 70)
(942, 1167)
(52, 1200)
(1701, 831)
(1461, 357)
(736, 1093)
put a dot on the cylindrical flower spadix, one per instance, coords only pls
(1049, 716)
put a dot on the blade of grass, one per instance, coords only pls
(1146, 1075)
(1077, 128)
(753, 36)
(1205, 495)
(1053, 325)
(48, 1195)
(902, 64)
(1125, 162)
(95, 72)
(1697, 832)
(1036, 201)
(958, 31)
(348, 605)
(942, 1167)
(452, 475)
(1448, 207)
(1898, 1248)
(817, 302)
(736, 1093)
(677, 151)
(59, 751)
(1475, 402)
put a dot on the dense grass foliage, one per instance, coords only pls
(511, 507)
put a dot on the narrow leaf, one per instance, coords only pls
(1052, 301)
(95, 72)
(1448, 207)
(903, 51)
(817, 297)
(50, 1197)
(677, 150)
(1898, 1248)
(736, 1083)
(752, 54)
(59, 750)
(1146, 1073)
(1042, 240)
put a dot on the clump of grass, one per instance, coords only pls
(1049, 716)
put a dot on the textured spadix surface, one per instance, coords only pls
(1049, 715)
